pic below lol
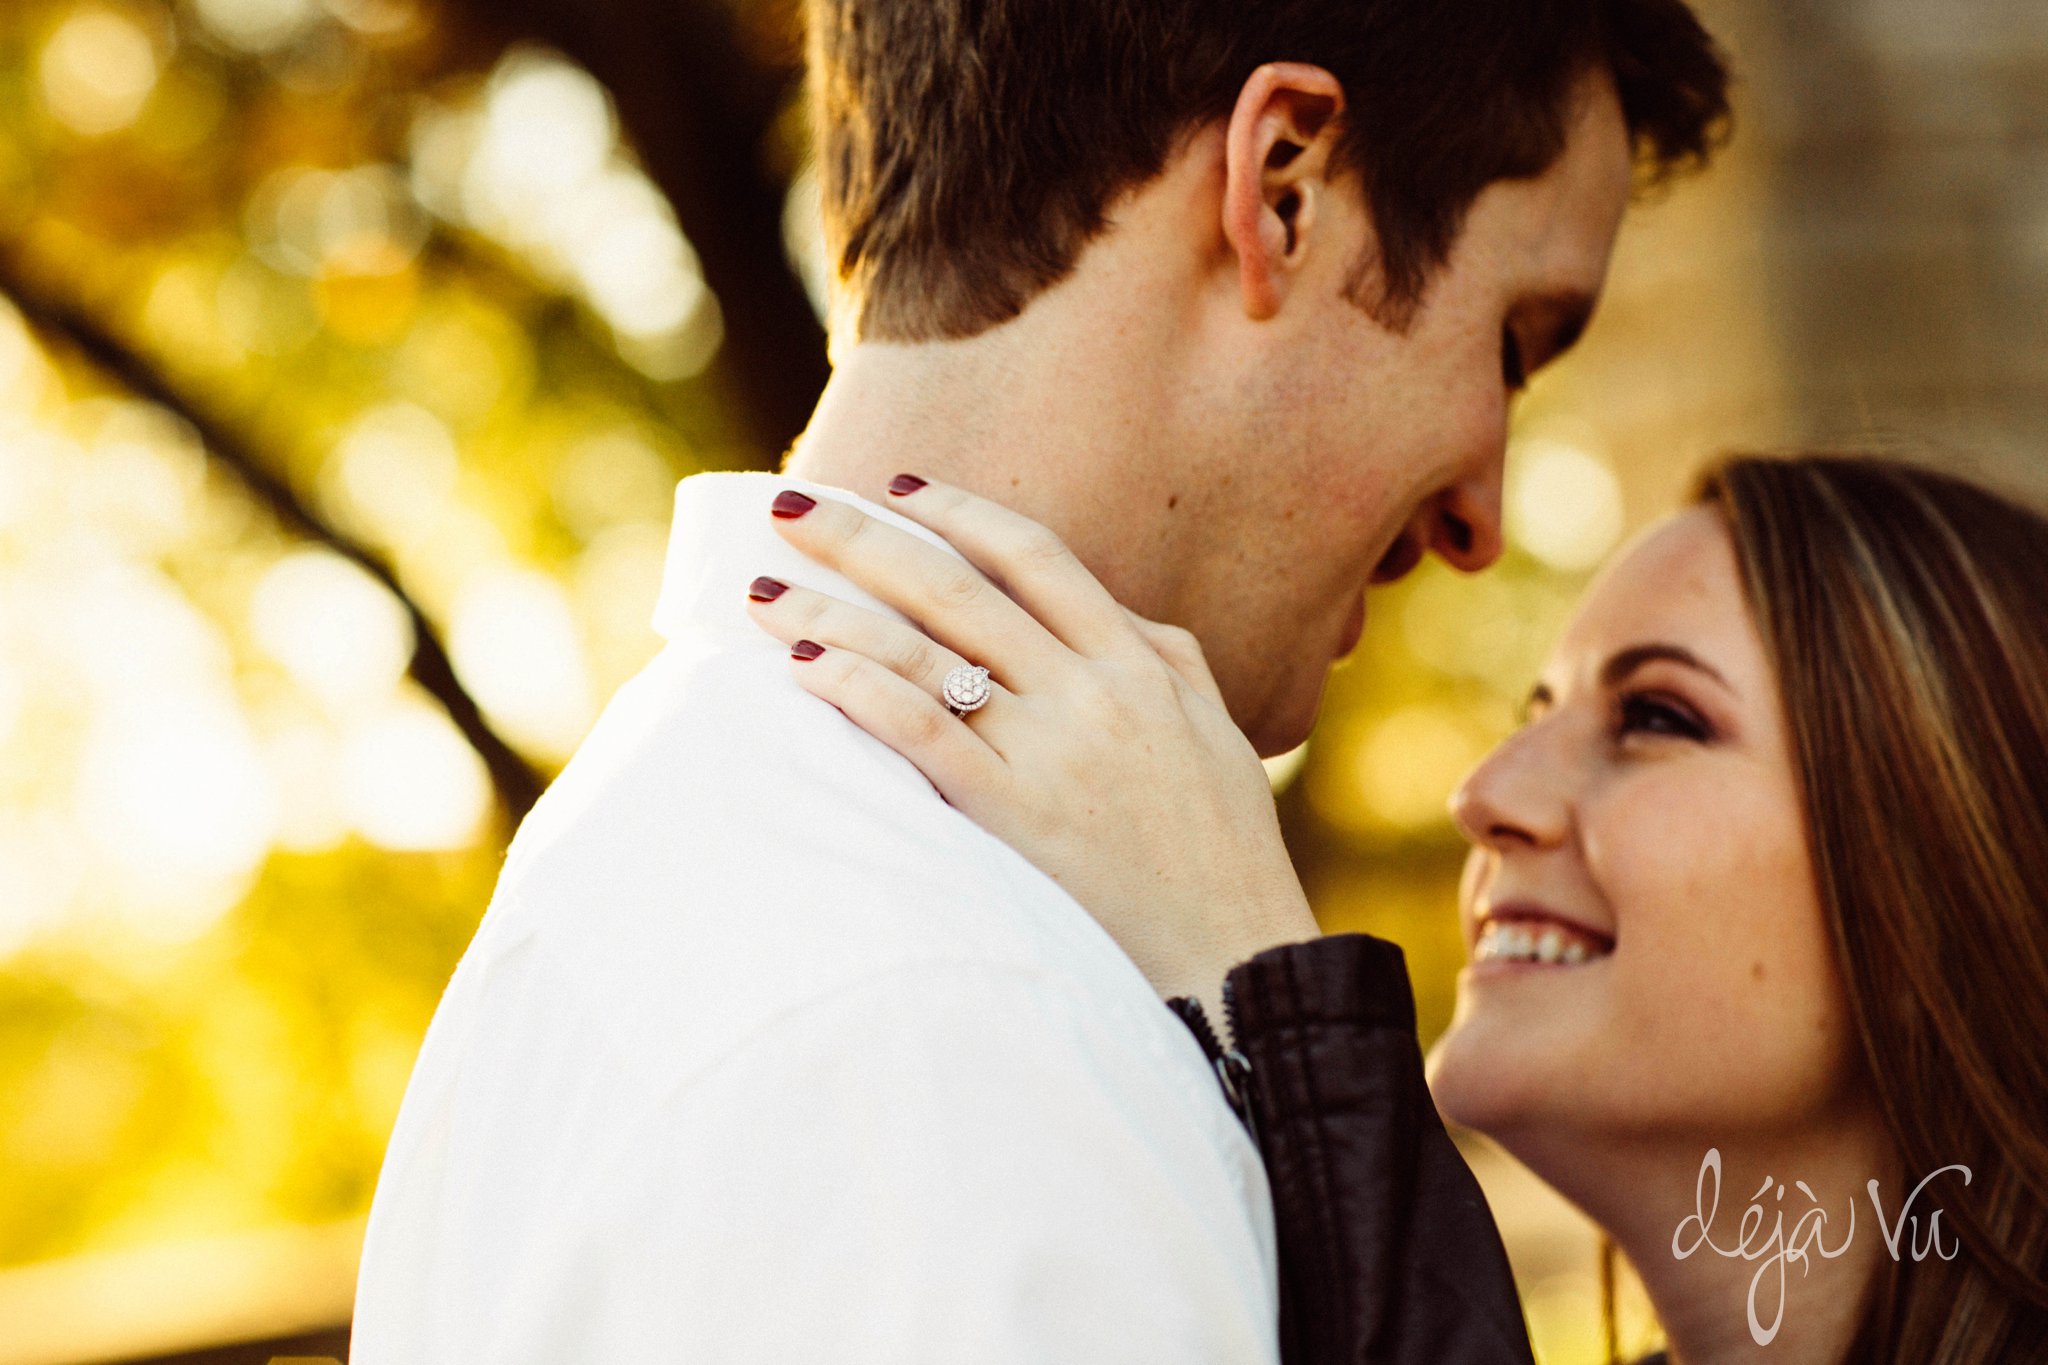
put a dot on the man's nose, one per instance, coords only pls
(1465, 523)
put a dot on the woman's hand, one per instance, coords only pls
(1104, 754)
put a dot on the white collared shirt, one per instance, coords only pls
(765, 1055)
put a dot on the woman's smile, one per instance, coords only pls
(1514, 936)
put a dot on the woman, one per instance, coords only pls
(1754, 905)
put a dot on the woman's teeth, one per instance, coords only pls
(1551, 944)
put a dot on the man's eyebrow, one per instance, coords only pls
(1626, 661)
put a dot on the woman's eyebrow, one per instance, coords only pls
(1626, 661)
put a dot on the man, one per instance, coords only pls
(764, 1053)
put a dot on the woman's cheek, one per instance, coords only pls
(1729, 975)
(1663, 856)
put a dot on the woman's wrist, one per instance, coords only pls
(1287, 920)
(1200, 974)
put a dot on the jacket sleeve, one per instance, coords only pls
(1388, 1253)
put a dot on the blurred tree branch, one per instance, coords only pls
(517, 784)
(700, 85)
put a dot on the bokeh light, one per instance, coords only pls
(546, 129)
(1410, 760)
(25, 376)
(97, 70)
(410, 783)
(393, 474)
(42, 865)
(177, 800)
(1282, 769)
(336, 630)
(257, 26)
(306, 220)
(515, 642)
(1564, 504)
(534, 161)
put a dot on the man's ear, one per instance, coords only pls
(1277, 155)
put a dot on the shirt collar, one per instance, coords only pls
(722, 539)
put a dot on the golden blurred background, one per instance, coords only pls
(349, 352)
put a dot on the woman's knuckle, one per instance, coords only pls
(853, 529)
(1039, 547)
(957, 589)
(1097, 704)
(912, 659)
(810, 609)
(925, 727)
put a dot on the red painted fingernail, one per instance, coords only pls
(790, 504)
(806, 650)
(766, 589)
(905, 483)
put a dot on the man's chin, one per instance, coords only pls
(1286, 724)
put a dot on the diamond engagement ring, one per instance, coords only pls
(966, 689)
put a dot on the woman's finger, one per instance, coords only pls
(791, 614)
(798, 613)
(899, 713)
(953, 601)
(1182, 653)
(1026, 559)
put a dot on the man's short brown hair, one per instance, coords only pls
(968, 149)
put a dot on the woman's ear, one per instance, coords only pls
(1278, 153)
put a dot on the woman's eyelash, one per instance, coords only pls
(1650, 713)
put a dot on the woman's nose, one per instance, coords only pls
(1515, 798)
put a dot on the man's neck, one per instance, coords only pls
(1050, 430)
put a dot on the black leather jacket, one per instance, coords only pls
(1388, 1253)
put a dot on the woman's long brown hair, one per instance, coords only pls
(1906, 614)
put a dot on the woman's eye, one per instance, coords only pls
(1650, 715)
(1512, 371)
